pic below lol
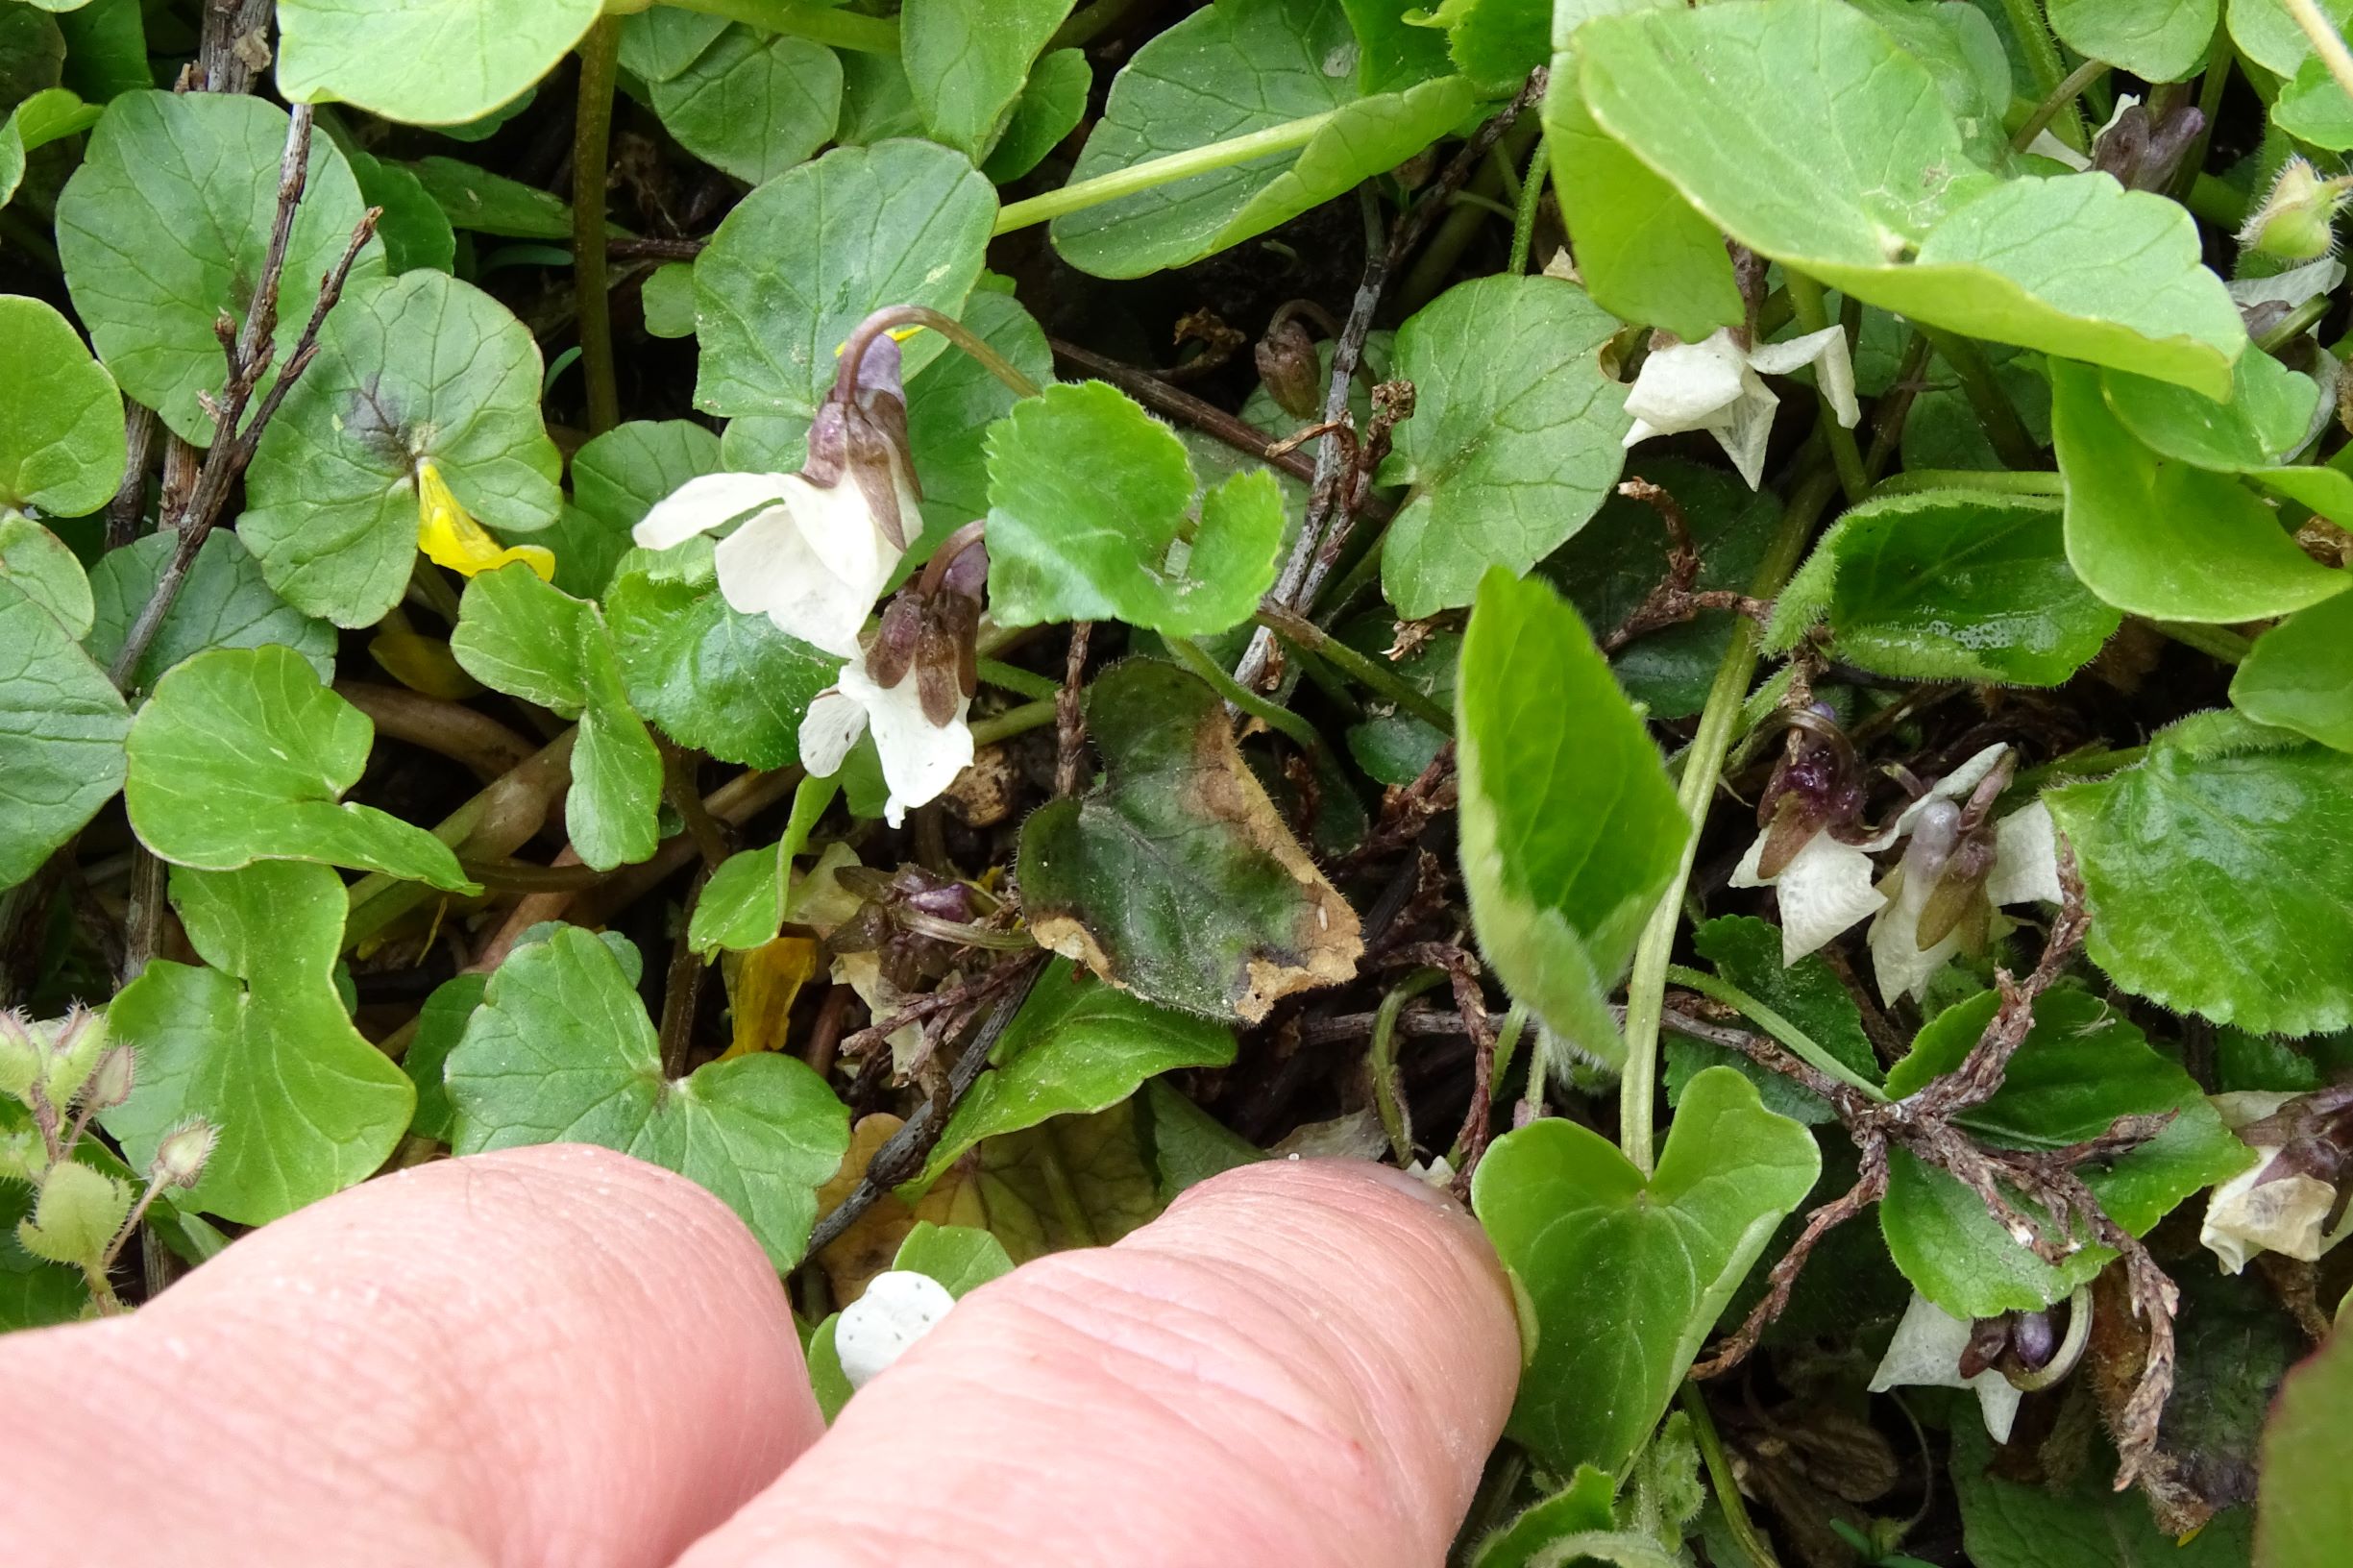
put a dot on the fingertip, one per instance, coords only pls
(458, 1360)
(1298, 1363)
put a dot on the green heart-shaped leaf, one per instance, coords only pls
(530, 639)
(804, 259)
(242, 755)
(258, 1044)
(163, 229)
(1570, 829)
(1516, 441)
(2220, 875)
(753, 103)
(1947, 586)
(415, 368)
(224, 603)
(61, 731)
(62, 445)
(561, 1050)
(2159, 538)
(1088, 495)
(1807, 134)
(424, 62)
(2300, 674)
(1626, 1276)
(1230, 70)
(967, 61)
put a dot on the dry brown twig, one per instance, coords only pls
(250, 352)
(2059, 1214)
(1675, 599)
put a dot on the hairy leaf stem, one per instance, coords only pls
(1305, 634)
(1702, 762)
(2062, 96)
(2033, 481)
(2325, 41)
(2042, 52)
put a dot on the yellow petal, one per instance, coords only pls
(449, 536)
(763, 984)
(897, 335)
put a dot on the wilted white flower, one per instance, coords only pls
(2282, 1202)
(899, 1307)
(816, 549)
(1717, 387)
(1826, 884)
(1927, 1353)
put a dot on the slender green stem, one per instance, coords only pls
(1780, 1028)
(2059, 97)
(1646, 988)
(1986, 398)
(1162, 171)
(2294, 324)
(2324, 41)
(1273, 714)
(1808, 305)
(2218, 203)
(2216, 641)
(1020, 720)
(1082, 27)
(2008, 481)
(1388, 1094)
(2042, 62)
(1011, 678)
(836, 28)
(1304, 634)
(1524, 220)
(590, 163)
(1722, 1480)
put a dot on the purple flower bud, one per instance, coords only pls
(1288, 365)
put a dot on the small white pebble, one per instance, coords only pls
(899, 1306)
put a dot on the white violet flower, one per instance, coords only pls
(911, 683)
(1717, 387)
(816, 549)
(919, 759)
(899, 1307)
(1927, 1353)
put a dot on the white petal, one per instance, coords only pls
(1898, 961)
(2026, 859)
(1824, 889)
(899, 1307)
(1746, 428)
(1833, 367)
(1688, 386)
(828, 731)
(1927, 1353)
(919, 759)
(705, 503)
(842, 533)
(1745, 874)
(2046, 145)
(2291, 287)
(768, 567)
